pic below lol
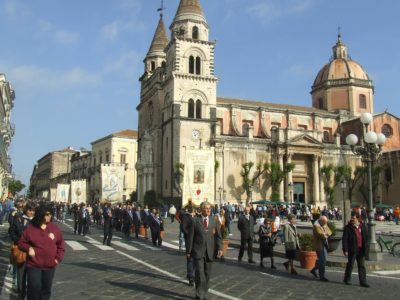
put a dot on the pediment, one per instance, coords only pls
(304, 140)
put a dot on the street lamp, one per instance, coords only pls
(343, 187)
(370, 146)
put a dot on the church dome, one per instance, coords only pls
(341, 70)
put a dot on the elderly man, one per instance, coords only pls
(203, 236)
(246, 227)
(321, 234)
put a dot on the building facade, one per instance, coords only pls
(181, 118)
(7, 130)
(51, 169)
(119, 148)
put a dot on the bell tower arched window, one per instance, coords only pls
(198, 65)
(191, 65)
(363, 101)
(195, 33)
(198, 109)
(153, 66)
(191, 109)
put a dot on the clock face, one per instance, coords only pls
(195, 134)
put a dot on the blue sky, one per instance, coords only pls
(75, 64)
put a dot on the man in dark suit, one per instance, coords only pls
(246, 227)
(203, 236)
(354, 244)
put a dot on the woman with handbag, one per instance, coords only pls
(20, 221)
(44, 243)
(267, 242)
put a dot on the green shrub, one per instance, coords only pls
(306, 241)
(332, 227)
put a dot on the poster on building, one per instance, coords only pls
(62, 192)
(45, 194)
(112, 182)
(78, 191)
(198, 181)
(53, 194)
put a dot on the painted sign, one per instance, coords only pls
(198, 182)
(112, 182)
(62, 192)
(78, 191)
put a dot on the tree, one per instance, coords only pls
(329, 184)
(351, 178)
(151, 199)
(15, 186)
(276, 175)
(248, 183)
(363, 187)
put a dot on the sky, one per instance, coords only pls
(75, 65)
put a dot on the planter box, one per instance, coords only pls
(333, 243)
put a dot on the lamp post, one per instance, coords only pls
(290, 186)
(220, 189)
(343, 187)
(369, 148)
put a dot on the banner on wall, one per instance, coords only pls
(112, 182)
(198, 182)
(53, 194)
(62, 192)
(45, 194)
(78, 191)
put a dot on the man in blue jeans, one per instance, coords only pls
(321, 233)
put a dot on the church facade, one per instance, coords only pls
(193, 143)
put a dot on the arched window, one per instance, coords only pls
(387, 130)
(153, 66)
(195, 33)
(363, 101)
(163, 64)
(191, 109)
(191, 65)
(198, 65)
(321, 103)
(326, 136)
(198, 109)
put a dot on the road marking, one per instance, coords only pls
(394, 272)
(114, 237)
(166, 244)
(98, 244)
(150, 266)
(125, 246)
(146, 246)
(7, 290)
(70, 220)
(270, 275)
(369, 275)
(75, 245)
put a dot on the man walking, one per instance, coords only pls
(246, 227)
(203, 237)
(354, 245)
(321, 233)
(108, 223)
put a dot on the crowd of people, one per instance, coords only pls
(202, 230)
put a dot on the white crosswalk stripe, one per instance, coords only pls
(125, 246)
(75, 245)
(146, 246)
(99, 245)
(168, 245)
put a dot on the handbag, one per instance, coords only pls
(18, 257)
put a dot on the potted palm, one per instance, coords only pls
(333, 240)
(307, 255)
(225, 241)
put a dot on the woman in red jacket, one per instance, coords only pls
(43, 242)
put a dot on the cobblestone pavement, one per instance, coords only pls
(137, 270)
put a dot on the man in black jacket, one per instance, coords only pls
(354, 244)
(246, 227)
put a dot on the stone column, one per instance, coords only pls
(289, 179)
(281, 185)
(315, 180)
(321, 181)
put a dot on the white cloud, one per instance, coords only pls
(35, 77)
(111, 30)
(268, 11)
(44, 25)
(14, 10)
(66, 37)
